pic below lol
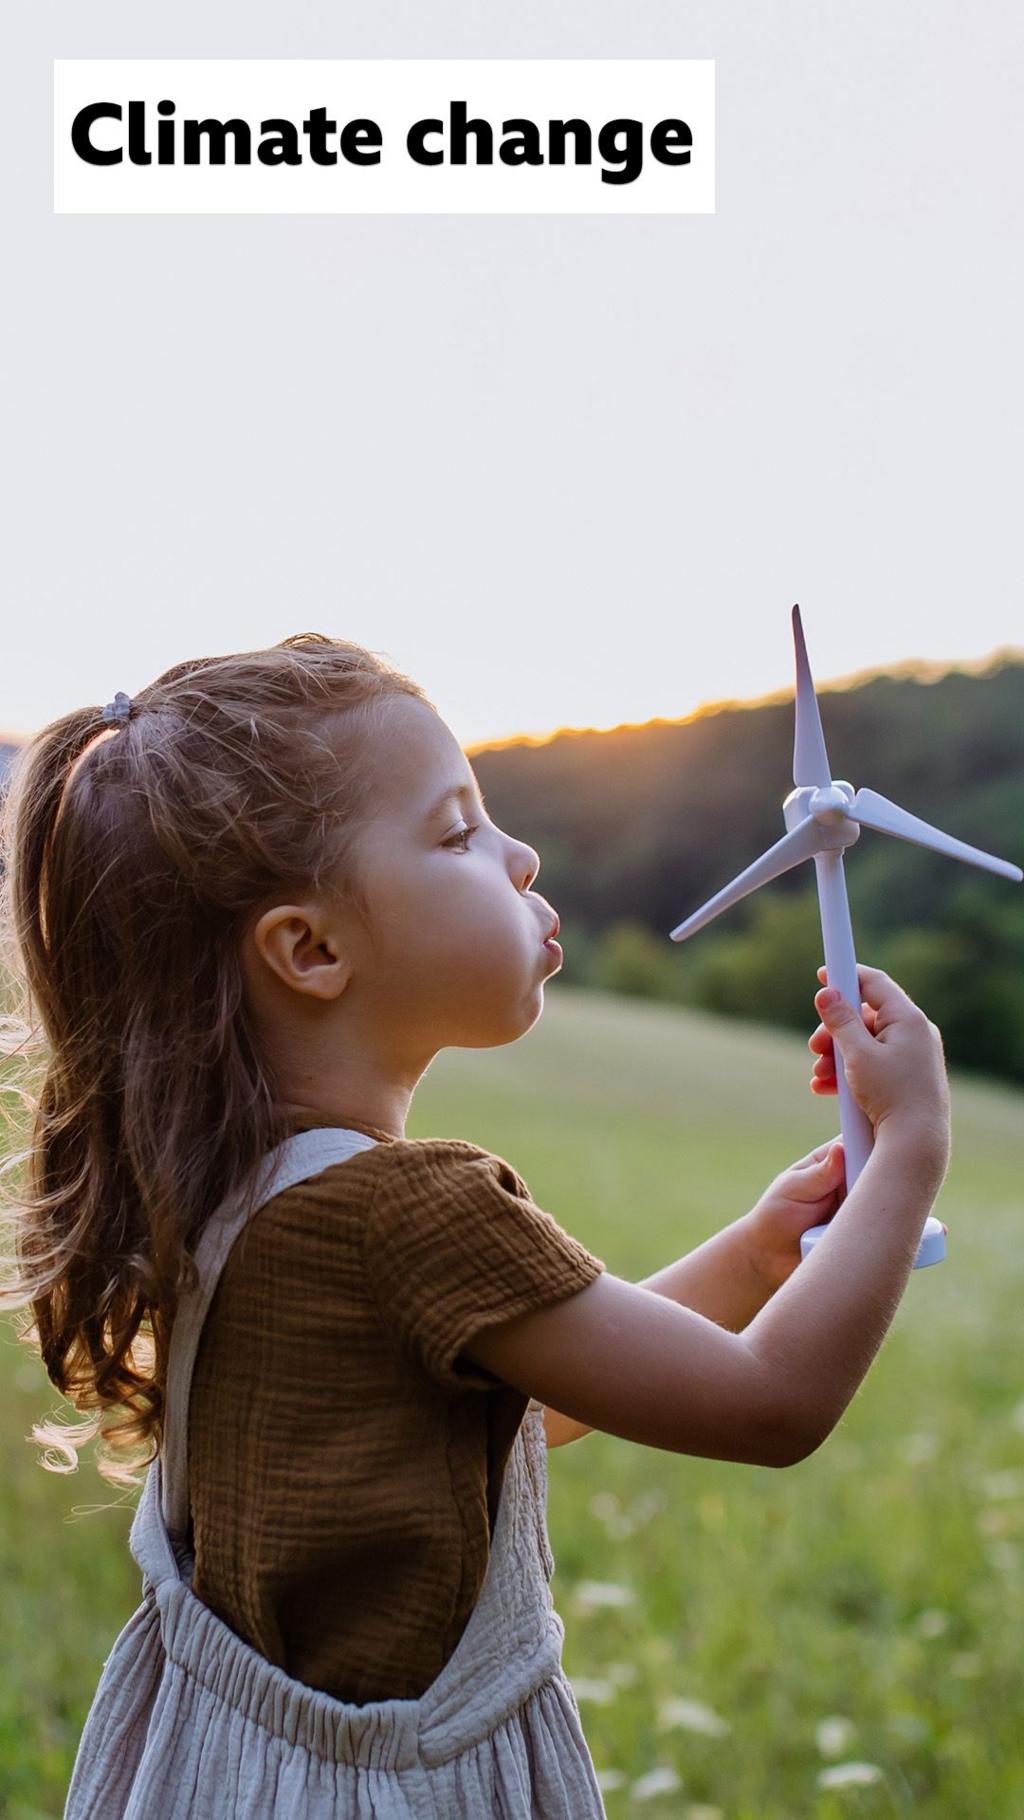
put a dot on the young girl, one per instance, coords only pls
(252, 904)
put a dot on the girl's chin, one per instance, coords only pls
(502, 1029)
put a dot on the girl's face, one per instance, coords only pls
(454, 951)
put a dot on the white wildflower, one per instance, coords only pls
(601, 1693)
(610, 1779)
(605, 1504)
(693, 1716)
(662, 1781)
(649, 1504)
(607, 1508)
(997, 1485)
(849, 1775)
(932, 1623)
(835, 1734)
(1004, 1556)
(589, 1595)
(919, 1448)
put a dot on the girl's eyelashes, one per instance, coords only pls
(462, 834)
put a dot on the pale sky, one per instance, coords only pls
(562, 470)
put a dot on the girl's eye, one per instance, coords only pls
(463, 834)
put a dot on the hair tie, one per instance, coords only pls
(119, 709)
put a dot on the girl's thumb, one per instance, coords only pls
(841, 1020)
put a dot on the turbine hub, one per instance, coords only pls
(828, 805)
(831, 801)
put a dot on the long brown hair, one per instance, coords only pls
(133, 862)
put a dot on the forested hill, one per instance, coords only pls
(638, 826)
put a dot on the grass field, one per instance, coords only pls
(739, 1639)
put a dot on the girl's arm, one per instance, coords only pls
(730, 1277)
(722, 1280)
(636, 1365)
(663, 1376)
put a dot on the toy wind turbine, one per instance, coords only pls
(823, 816)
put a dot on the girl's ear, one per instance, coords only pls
(300, 945)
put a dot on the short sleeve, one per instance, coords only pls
(453, 1244)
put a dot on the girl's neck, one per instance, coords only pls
(303, 1116)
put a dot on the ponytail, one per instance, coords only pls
(132, 864)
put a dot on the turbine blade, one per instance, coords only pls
(799, 844)
(875, 811)
(810, 759)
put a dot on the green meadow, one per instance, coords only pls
(841, 1638)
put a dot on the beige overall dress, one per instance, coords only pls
(190, 1723)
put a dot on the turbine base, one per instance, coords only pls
(931, 1250)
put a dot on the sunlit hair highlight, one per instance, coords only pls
(133, 863)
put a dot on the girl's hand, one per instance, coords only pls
(823, 1074)
(806, 1194)
(892, 1057)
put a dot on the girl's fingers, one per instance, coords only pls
(809, 1175)
(882, 992)
(869, 978)
(815, 1156)
(820, 1042)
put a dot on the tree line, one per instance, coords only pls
(636, 827)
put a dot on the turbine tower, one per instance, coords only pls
(823, 817)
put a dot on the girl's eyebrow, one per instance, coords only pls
(456, 792)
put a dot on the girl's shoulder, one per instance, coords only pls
(453, 1241)
(422, 1171)
(436, 1163)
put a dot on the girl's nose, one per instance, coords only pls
(527, 864)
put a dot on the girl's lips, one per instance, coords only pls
(554, 948)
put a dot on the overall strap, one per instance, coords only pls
(298, 1157)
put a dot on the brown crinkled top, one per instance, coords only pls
(345, 1454)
